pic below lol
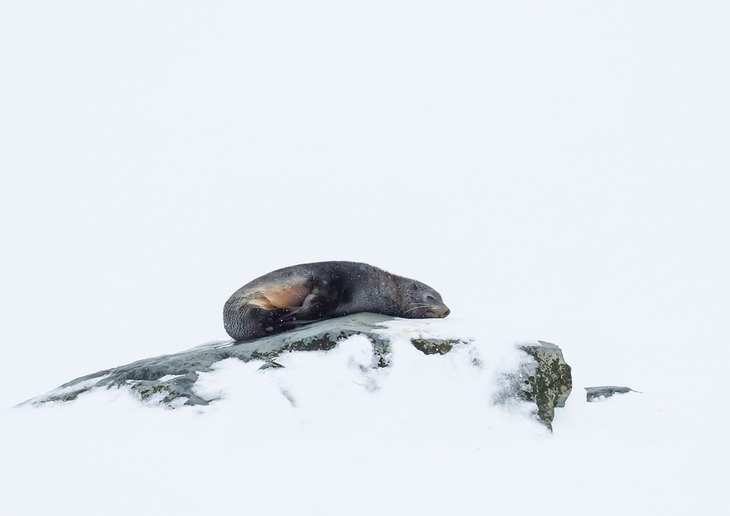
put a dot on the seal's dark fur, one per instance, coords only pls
(310, 292)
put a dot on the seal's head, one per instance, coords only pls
(423, 302)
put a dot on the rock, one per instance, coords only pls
(170, 378)
(542, 378)
(605, 391)
(433, 346)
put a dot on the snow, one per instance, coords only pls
(329, 433)
(556, 171)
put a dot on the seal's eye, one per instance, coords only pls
(430, 298)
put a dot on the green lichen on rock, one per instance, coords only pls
(434, 346)
(322, 342)
(178, 389)
(548, 382)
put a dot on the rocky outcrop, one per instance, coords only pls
(170, 378)
(605, 391)
(542, 378)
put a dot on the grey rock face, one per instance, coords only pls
(173, 376)
(605, 391)
(543, 377)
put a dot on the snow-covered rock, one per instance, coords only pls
(543, 378)
(539, 376)
(605, 391)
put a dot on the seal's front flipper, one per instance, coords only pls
(315, 306)
(318, 305)
(282, 319)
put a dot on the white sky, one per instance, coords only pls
(556, 170)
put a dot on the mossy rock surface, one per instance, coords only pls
(546, 379)
(434, 346)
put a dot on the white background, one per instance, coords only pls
(556, 170)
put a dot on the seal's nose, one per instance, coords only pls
(446, 312)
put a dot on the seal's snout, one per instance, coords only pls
(441, 311)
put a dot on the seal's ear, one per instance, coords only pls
(414, 286)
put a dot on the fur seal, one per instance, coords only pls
(302, 294)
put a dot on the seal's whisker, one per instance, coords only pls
(416, 307)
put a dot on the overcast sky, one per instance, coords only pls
(556, 170)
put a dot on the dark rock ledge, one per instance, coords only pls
(543, 377)
(605, 391)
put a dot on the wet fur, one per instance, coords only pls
(310, 292)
